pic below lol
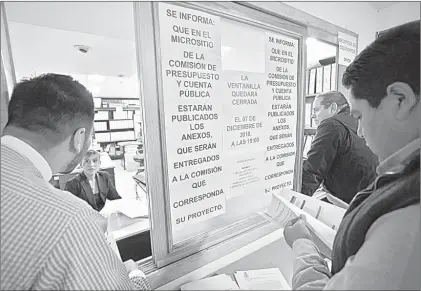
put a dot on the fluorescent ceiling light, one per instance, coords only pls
(96, 78)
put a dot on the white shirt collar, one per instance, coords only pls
(30, 153)
(397, 161)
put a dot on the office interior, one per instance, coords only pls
(118, 51)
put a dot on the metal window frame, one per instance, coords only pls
(147, 40)
(6, 53)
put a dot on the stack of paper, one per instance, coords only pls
(220, 282)
(282, 210)
(264, 279)
(130, 207)
(330, 215)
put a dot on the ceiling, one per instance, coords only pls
(41, 49)
(381, 5)
(43, 36)
(109, 19)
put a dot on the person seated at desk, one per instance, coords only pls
(92, 185)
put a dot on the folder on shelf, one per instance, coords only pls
(101, 115)
(312, 82)
(327, 78)
(319, 80)
(333, 77)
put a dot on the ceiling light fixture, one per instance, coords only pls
(82, 48)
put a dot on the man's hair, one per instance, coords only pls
(393, 57)
(91, 153)
(51, 104)
(328, 98)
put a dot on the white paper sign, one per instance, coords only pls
(244, 110)
(281, 109)
(243, 135)
(191, 66)
(244, 172)
(347, 48)
(228, 133)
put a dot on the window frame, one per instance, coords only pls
(6, 53)
(148, 50)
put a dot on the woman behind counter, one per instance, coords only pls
(92, 185)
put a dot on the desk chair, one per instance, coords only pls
(140, 181)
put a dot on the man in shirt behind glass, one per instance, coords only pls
(50, 239)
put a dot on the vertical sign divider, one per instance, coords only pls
(158, 53)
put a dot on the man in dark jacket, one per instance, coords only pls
(338, 156)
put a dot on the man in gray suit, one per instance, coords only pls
(50, 239)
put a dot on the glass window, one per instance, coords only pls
(99, 50)
(228, 100)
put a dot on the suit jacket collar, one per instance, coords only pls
(87, 189)
(102, 187)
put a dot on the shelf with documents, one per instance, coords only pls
(109, 131)
(322, 77)
(121, 129)
(114, 130)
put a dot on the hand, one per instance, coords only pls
(131, 266)
(296, 229)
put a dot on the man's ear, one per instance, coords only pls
(79, 139)
(404, 96)
(333, 108)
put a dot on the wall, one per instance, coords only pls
(397, 14)
(358, 17)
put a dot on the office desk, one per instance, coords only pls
(59, 180)
(275, 255)
(270, 251)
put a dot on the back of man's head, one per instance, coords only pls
(393, 57)
(328, 98)
(52, 105)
